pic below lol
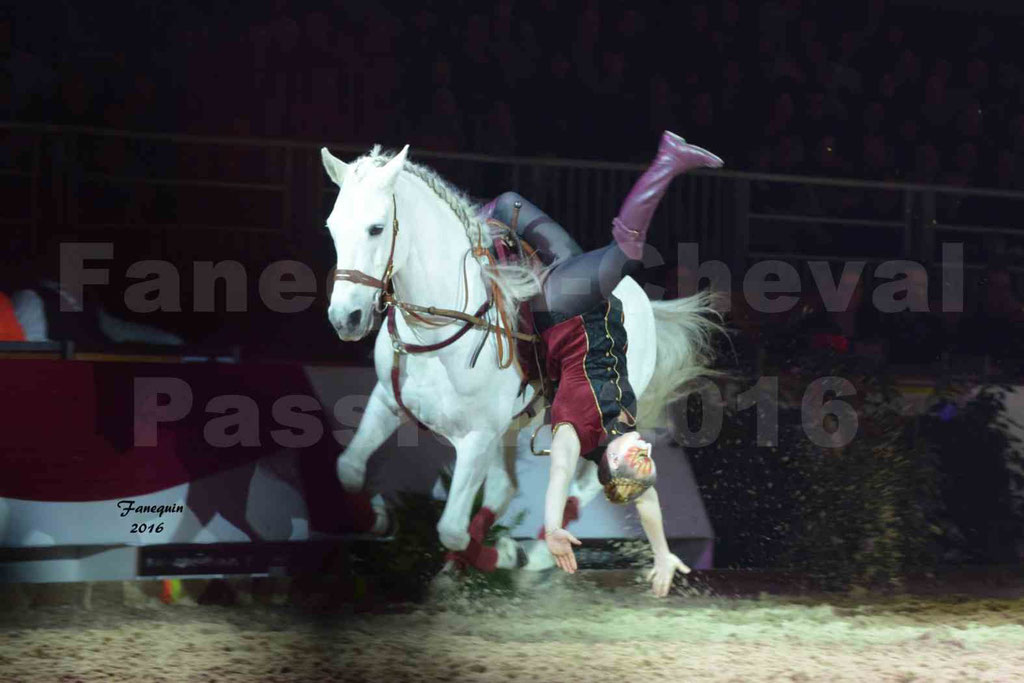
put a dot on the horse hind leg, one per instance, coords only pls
(582, 489)
(585, 486)
(379, 422)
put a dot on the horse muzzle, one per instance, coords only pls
(351, 324)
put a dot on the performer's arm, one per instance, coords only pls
(649, 508)
(665, 563)
(565, 453)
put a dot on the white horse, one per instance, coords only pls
(399, 219)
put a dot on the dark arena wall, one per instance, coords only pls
(845, 490)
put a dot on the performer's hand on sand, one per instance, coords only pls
(560, 544)
(665, 567)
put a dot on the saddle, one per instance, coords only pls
(508, 248)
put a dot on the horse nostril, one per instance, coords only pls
(354, 317)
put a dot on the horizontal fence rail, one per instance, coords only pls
(265, 199)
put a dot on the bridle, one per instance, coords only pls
(384, 285)
(386, 301)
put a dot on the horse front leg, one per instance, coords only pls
(500, 488)
(380, 420)
(474, 455)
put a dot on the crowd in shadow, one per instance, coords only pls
(976, 329)
(876, 90)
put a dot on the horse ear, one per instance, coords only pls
(388, 173)
(335, 167)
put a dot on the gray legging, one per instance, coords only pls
(576, 281)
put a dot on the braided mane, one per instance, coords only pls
(516, 283)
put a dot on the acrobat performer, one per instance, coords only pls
(582, 325)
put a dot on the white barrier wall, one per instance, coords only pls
(266, 500)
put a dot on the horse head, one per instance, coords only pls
(367, 246)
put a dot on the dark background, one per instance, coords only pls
(882, 90)
(122, 118)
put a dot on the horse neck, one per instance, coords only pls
(436, 243)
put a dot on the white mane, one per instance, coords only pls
(516, 283)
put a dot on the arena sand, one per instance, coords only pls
(564, 629)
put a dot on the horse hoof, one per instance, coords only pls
(539, 557)
(351, 477)
(446, 581)
(510, 554)
(385, 524)
(453, 540)
(522, 559)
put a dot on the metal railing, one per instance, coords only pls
(264, 198)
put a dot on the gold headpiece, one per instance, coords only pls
(634, 474)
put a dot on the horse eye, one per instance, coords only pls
(376, 230)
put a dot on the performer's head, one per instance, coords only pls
(626, 469)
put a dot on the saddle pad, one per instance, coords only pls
(529, 355)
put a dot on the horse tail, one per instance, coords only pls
(684, 331)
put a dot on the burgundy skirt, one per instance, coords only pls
(586, 357)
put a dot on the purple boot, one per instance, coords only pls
(674, 156)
